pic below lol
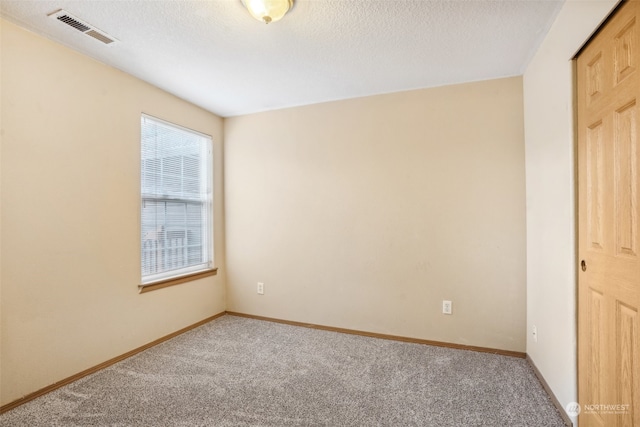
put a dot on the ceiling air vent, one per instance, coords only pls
(88, 29)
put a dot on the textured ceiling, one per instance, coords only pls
(214, 54)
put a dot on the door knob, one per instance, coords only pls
(583, 265)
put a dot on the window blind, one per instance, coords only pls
(176, 202)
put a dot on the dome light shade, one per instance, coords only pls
(268, 10)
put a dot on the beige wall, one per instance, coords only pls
(549, 139)
(367, 213)
(70, 215)
(362, 214)
(1, 144)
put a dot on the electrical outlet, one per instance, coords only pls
(446, 307)
(535, 333)
(261, 288)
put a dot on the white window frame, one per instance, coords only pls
(178, 274)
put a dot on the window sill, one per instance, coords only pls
(177, 280)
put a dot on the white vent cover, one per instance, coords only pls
(68, 19)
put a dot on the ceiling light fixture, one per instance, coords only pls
(268, 10)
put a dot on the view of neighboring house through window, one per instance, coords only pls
(176, 206)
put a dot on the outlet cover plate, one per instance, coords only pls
(446, 307)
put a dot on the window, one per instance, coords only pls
(176, 206)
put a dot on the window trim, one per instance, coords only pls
(172, 281)
(211, 269)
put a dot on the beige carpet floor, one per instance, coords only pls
(235, 371)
